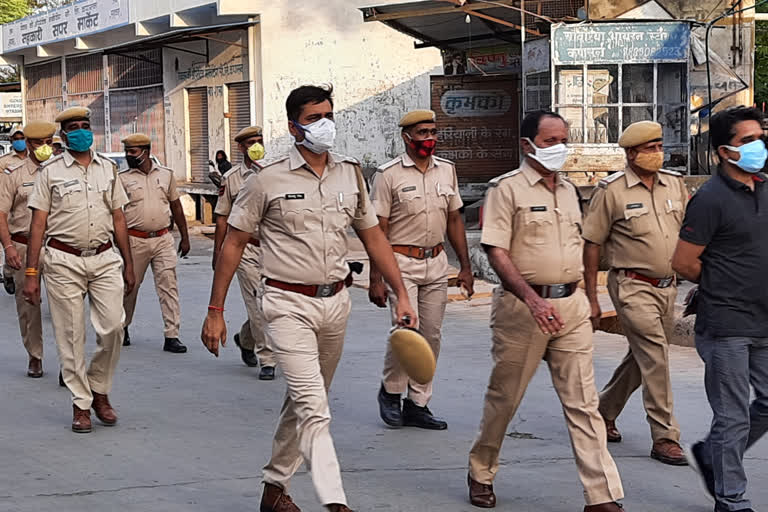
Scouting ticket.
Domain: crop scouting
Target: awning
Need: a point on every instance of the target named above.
(464, 24)
(174, 36)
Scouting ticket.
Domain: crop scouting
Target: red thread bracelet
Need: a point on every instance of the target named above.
(215, 308)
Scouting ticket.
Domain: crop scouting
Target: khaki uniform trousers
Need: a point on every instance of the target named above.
(307, 335)
(252, 335)
(646, 314)
(159, 252)
(427, 284)
(68, 279)
(518, 348)
(30, 320)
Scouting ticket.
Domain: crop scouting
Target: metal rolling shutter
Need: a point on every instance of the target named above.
(198, 133)
(239, 115)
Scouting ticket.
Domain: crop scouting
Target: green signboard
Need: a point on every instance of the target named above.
(621, 43)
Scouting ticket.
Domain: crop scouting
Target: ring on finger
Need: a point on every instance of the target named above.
(550, 318)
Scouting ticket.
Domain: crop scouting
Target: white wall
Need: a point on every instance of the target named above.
(376, 72)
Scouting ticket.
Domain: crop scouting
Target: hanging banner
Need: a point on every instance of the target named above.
(73, 20)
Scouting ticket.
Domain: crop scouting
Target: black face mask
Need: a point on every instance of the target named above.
(134, 162)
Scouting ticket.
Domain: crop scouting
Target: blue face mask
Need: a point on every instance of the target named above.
(753, 156)
(80, 140)
(19, 145)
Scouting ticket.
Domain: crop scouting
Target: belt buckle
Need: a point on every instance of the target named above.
(152, 234)
(428, 253)
(557, 291)
(666, 282)
(324, 291)
(88, 253)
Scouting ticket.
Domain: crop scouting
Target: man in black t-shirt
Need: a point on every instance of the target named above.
(723, 246)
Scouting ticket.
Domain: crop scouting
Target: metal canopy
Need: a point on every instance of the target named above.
(443, 23)
(179, 35)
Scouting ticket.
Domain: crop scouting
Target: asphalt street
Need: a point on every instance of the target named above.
(194, 431)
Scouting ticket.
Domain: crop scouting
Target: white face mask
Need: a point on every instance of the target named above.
(552, 158)
(318, 136)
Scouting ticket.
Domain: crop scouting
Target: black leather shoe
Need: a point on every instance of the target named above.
(10, 285)
(248, 357)
(390, 408)
(697, 464)
(174, 345)
(126, 338)
(267, 373)
(421, 417)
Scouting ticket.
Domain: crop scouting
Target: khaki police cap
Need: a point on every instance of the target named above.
(39, 129)
(137, 139)
(416, 117)
(640, 133)
(57, 140)
(414, 353)
(73, 114)
(251, 131)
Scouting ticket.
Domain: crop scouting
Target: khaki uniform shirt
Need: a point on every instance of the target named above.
(416, 203)
(10, 160)
(79, 201)
(302, 218)
(149, 197)
(16, 185)
(231, 184)
(638, 227)
(541, 229)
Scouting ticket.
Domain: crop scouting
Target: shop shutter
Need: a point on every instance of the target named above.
(198, 133)
(239, 115)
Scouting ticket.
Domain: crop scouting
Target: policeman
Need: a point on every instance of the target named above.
(302, 206)
(15, 216)
(58, 145)
(417, 201)
(77, 206)
(636, 215)
(531, 232)
(19, 146)
(153, 199)
(251, 336)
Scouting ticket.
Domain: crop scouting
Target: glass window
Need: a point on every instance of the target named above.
(574, 117)
(674, 123)
(631, 115)
(603, 125)
(672, 88)
(637, 83)
(602, 84)
(569, 86)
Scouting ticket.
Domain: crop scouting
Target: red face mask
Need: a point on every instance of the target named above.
(423, 148)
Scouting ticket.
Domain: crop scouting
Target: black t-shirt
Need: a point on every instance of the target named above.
(732, 222)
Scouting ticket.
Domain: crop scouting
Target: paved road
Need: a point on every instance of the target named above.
(194, 431)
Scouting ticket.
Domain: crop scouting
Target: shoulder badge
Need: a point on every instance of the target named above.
(603, 183)
(52, 159)
(105, 157)
(229, 173)
(443, 159)
(495, 181)
(671, 173)
(389, 164)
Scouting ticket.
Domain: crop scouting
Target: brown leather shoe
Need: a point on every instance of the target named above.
(103, 409)
(481, 495)
(275, 500)
(336, 507)
(613, 434)
(669, 452)
(35, 369)
(81, 420)
(605, 507)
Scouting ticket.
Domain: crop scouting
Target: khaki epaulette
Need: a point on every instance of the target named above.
(443, 159)
(52, 159)
(671, 173)
(232, 170)
(105, 157)
(272, 162)
(17, 166)
(389, 164)
(495, 181)
(603, 183)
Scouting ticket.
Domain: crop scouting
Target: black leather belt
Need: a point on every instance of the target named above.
(554, 291)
